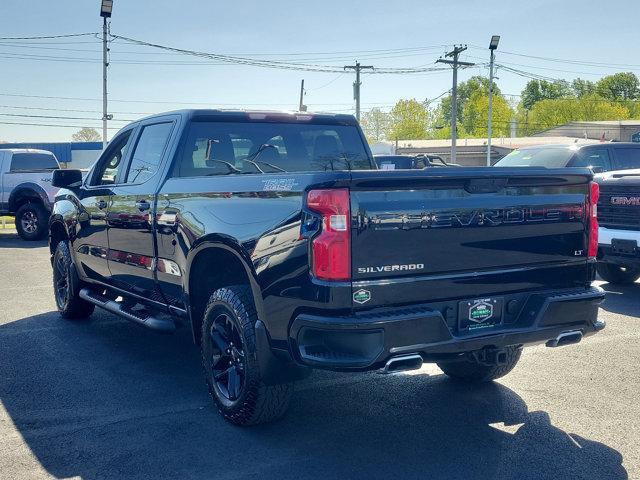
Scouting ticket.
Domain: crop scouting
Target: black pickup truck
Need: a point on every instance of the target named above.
(619, 220)
(274, 237)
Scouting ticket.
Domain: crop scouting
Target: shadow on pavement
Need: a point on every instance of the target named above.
(106, 399)
(622, 299)
(10, 239)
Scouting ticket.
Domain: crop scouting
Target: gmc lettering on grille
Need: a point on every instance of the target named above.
(635, 201)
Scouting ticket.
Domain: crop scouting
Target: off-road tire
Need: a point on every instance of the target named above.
(31, 221)
(472, 371)
(70, 306)
(257, 403)
(617, 274)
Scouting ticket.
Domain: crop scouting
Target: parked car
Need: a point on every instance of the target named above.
(601, 157)
(619, 220)
(283, 247)
(410, 162)
(25, 189)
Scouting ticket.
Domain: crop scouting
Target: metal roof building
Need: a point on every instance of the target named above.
(610, 130)
(73, 154)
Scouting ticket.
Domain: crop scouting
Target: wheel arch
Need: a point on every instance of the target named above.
(26, 192)
(234, 267)
(57, 232)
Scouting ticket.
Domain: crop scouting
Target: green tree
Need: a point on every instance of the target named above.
(551, 113)
(538, 90)
(476, 115)
(409, 121)
(86, 134)
(465, 91)
(582, 88)
(619, 86)
(375, 124)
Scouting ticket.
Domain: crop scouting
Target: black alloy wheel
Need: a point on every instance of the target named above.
(66, 285)
(60, 280)
(227, 357)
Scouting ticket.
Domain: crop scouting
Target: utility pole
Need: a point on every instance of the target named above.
(356, 86)
(105, 12)
(302, 107)
(493, 45)
(455, 63)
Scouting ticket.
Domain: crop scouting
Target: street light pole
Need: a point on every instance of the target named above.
(105, 64)
(493, 45)
(106, 8)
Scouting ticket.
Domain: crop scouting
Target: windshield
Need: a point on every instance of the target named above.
(538, 157)
(223, 148)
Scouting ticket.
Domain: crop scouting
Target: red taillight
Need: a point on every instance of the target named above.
(594, 194)
(331, 248)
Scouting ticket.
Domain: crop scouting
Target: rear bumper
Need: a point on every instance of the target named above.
(608, 254)
(366, 341)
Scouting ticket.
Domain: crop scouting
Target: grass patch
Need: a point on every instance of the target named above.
(7, 222)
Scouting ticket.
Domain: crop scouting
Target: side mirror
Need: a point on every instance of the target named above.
(66, 178)
(597, 169)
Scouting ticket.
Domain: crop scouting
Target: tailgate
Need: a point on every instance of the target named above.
(452, 223)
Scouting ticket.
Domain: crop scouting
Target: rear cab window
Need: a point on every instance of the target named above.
(627, 157)
(223, 148)
(33, 162)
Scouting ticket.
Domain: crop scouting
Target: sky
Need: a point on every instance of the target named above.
(385, 34)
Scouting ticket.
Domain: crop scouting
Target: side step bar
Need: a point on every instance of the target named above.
(144, 319)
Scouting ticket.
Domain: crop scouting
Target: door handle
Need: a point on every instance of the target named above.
(101, 204)
(143, 205)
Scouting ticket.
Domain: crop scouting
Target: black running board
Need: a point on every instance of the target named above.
(146, 320)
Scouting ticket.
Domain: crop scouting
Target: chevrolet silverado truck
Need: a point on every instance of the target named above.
(619, 220)
(275, 239)
(25, 189)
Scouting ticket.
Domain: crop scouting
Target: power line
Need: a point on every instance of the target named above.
(276, 64)
(50, 125)
(573, 62)
(59, 117)
(76, 110)
(210, 104)
(42, 37)
(340, 75)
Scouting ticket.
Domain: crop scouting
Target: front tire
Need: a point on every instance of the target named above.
(31, 221)
(66, 286)
(230, 363)
(618, 274)
(469, 370)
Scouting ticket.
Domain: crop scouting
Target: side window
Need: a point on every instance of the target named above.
(25, 162)
(148, 151)
(627, 158)
(111, 161)
(593, 157)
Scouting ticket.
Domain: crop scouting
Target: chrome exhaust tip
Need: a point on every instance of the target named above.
(565, 338)
(402, 363)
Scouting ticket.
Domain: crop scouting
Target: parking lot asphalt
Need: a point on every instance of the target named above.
(107, 399)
